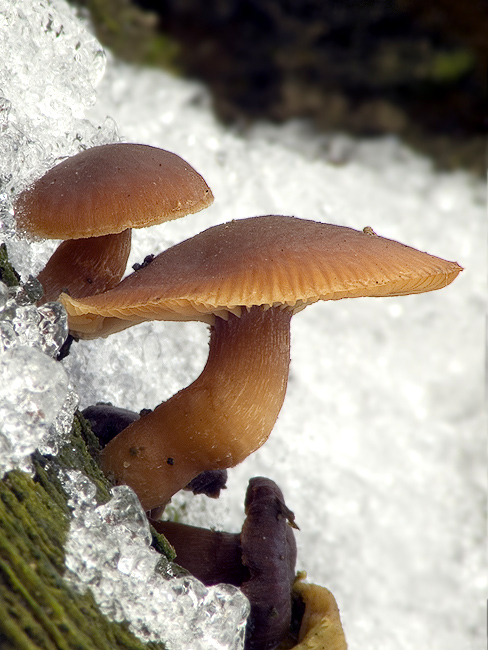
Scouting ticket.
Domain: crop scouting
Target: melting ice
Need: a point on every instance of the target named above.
(379, 448)
(36, 403)
(181, 611)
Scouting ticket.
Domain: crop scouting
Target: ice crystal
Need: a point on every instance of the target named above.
(33, 388)
(108, 551)
(36, 405)
(23, 323)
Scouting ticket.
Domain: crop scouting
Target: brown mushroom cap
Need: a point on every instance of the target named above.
(108, 189)
(267, 261)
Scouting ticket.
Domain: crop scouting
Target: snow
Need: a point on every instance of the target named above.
(380, 446)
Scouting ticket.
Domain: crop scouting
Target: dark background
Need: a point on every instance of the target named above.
(368, 68)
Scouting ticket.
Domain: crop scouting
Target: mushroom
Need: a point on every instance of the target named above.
(246, 279)
(260, 559)
(320, 627)
(93, 200)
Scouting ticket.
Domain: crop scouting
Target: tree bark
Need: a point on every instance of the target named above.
(38, 608)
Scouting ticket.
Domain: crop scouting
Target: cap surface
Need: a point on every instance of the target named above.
(109, 188)
(268, 261)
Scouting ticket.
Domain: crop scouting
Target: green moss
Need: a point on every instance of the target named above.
(450, 66)
(131, 33)
(8, 275)
(161, 544)
(38, 608)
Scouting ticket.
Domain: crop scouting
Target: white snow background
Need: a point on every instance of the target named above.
(380, 446)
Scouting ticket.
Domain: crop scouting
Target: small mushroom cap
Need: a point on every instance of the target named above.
(107, 421)
(321, 626)
(268, 261)
(108, 189)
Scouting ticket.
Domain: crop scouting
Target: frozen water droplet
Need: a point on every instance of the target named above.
(33, 289)
(124, 511)
(53, 326)
(81, 492)
(25, 324)
(58, 433)
(28, 292)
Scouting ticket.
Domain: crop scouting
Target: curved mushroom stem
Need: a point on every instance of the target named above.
(269, 552)
(210, 555)
(217, 421)
(84, 267)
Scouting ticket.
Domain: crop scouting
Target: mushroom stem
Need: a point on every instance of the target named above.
(260, 560)
(210, 555)
(85, 267)
(224, 415)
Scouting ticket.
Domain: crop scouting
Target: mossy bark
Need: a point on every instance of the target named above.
(38, 607)
(8, 275)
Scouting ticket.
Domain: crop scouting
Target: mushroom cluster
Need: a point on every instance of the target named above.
(245, 279)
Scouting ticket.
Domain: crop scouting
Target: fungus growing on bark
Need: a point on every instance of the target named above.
(260, 559)
(93, 200)
(246, 278)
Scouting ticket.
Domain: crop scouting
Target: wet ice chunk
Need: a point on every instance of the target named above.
(108, 550)
(22, 323)
(3, 296)
(53, 326)
(58, 432)
(33, 388)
